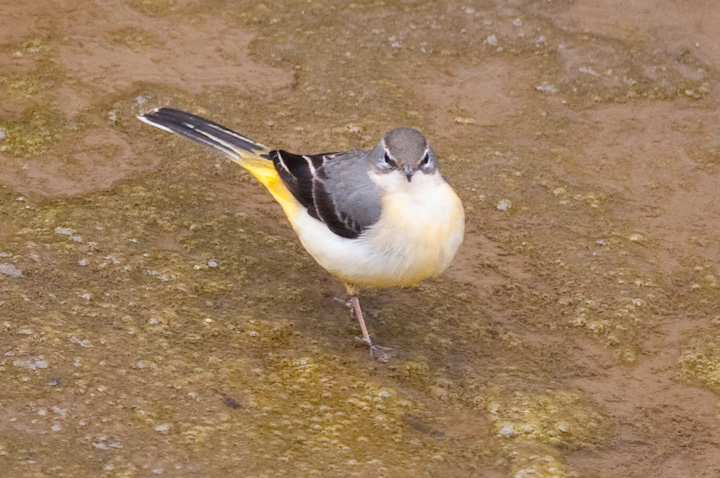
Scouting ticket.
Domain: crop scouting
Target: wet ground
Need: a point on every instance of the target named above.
(159, 318)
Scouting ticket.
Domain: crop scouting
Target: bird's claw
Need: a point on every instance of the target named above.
(382, 354)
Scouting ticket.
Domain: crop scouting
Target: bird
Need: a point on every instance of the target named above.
(377, 218)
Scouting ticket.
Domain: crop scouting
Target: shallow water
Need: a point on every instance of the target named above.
(159, 318)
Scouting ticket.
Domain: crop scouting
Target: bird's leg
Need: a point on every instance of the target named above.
(358, 313)
(381, 353)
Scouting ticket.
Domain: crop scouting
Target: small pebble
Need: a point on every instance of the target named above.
(545, 88)
(10, 270)
(164, 428)
(65, 231)
(504, 205)
(507, 431)
(82, 343)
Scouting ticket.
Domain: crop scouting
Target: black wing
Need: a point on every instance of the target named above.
(346, 214)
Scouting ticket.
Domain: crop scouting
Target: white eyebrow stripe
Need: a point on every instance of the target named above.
(387, 150)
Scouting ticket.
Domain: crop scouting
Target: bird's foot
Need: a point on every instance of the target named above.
(382, 354)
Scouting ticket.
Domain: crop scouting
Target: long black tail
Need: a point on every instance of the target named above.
(204, 132)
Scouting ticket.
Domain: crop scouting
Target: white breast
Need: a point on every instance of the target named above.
(420, 229)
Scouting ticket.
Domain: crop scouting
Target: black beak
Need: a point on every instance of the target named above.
(408, 173)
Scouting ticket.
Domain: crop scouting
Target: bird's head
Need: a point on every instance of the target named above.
(404, 152)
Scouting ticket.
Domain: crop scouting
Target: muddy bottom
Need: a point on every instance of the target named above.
(158, 317)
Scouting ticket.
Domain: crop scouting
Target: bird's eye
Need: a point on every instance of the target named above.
(425, 161)
(389, 161)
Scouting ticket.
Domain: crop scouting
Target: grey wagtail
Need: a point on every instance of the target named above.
(378, 218)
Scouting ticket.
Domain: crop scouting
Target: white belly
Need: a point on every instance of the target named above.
(416, 237)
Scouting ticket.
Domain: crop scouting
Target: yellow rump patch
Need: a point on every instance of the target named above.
(264, 171)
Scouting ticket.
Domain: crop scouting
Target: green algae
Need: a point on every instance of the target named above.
(539, 462)
(700, 363)
(558, 418)
(30, 123)
(34, 134)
